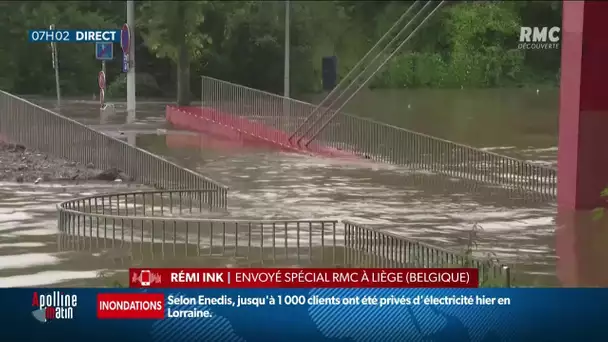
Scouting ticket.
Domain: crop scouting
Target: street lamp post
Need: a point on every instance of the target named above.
(131, 136)
(287, 47)
(55, 58)
(131, 71)
(286, 82)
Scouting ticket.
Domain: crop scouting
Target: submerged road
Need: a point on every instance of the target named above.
(270, 184)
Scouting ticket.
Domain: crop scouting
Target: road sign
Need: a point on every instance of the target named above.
(125, 38)
(125, 44)
(101, 80)
(104, 51)
(125, 62)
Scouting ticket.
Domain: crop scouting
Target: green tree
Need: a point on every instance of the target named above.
(171, 29)
(471, 44)
(483, 51)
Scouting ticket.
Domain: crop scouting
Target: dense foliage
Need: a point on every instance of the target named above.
(467, 44)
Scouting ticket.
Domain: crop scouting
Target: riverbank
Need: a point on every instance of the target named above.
(20, 164)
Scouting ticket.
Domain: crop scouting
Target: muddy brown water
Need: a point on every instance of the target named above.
(268, 184)
(28, 235)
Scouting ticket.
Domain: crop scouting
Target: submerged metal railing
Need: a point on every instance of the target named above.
(372, 139)
(369, 247)
(160, 225)
(28, 124)
(154, 226)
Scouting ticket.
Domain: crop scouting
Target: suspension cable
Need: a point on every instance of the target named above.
(382, 39)
(362, 74)
(375, 72)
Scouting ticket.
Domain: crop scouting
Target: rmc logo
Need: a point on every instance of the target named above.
(539, 38)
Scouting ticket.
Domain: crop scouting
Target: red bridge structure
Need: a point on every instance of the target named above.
(236, 111)
(582, 237)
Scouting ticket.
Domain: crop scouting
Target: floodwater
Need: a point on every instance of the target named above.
(521, 123)
(28, 235)
(269, 184)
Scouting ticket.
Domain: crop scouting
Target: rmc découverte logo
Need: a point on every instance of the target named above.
(539, 38)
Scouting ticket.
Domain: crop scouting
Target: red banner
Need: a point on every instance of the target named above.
(303, 278)
(130, 306)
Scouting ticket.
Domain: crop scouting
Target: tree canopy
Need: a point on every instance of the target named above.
(472, 44)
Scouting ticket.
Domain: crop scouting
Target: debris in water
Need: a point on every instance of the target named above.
(109, 174)
(24, 165)
(16, 148)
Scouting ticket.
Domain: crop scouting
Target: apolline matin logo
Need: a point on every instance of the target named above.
(539, 38)
(55, 305)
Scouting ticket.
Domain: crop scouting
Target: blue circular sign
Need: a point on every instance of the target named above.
(125, 38)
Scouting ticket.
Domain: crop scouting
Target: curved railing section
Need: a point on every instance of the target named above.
(149, 225)
(176, 225)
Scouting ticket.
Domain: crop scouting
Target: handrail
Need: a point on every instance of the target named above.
(83, 126)
(39, 128)
(362, 118)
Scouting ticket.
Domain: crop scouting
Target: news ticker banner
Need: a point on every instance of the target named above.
(303, 278)
(330, 314)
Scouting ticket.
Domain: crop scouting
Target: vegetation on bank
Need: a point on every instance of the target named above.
(467, 44)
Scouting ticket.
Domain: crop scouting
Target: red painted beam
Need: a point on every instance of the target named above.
(582, 241)
(209, 120)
